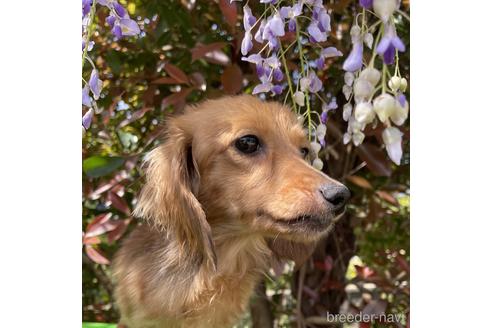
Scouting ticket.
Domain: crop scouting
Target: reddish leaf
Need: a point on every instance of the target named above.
(175, 98)
(105, 186)
(387, 197)
(403, 263)
(149, 96)
(376, 159)
(101, 226)
(176, 73)
(201, 50)
(95, 255)
(96, 227)
(119, 231)
(91, 240)
(359, 181)
(165, 80)
(118, 203)
(229, 10)
(198, 81)
(232, 79)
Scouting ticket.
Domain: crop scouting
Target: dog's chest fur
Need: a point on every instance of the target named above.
(172, 294)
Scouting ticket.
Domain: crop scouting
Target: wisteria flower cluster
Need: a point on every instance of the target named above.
(309, 23)
(375, 94)
(121, 25)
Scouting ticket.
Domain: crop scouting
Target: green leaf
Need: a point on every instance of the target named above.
(98, 325)
(98, 166)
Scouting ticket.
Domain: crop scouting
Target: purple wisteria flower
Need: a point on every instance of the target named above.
(95, 84)
(257, 60)
(248, 20)
(110, 20)
(327, 107)
(120, 11)
(389, 44)
(401, 99)
(247, 43)
(315, 33)
(311, 83)
(291, 13)
(331, 52)
(86, 7)
(120, 22)
(259, 32)
(327, 53)
(273, 28)
(86, 99)
(87, 118)
(365, 3)
(90, 45)
(320, 25)
(276, 26)
(354, 60)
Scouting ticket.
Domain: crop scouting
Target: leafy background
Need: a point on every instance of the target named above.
(190, 52)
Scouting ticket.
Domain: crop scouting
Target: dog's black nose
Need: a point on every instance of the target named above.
(336, 195)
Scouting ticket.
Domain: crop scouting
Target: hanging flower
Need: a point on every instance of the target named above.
(385, 8)
(388, 44)
(331, 52)
(392, 140)
(86, 7)
(247, 43)
(354, 60)
(364, 113)
(129, 27)
(384, 106)
(299, 98)
(86, 99)
(291, 13)
(95, 84)
(370, 74)
(263, 87)
(363, 90)
(315, 32)
(400, 112)
(87, 118)
(248, 20)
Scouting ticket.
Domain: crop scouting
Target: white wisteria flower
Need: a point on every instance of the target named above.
(364, 113)
(384, 106)
(392, 140)
(385, 8)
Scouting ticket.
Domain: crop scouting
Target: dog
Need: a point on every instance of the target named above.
(230, 175)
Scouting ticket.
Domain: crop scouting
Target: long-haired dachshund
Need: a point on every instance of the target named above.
(230, 174)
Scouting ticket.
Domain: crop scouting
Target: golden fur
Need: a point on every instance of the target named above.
(209, 211)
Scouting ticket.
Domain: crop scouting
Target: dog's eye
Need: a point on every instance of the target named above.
(304, 152)
(248, 144)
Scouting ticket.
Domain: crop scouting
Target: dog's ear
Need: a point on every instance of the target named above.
(168, 197)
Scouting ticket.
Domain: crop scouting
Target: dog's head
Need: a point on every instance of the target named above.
(238, 164)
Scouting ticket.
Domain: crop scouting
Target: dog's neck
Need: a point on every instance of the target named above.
(239, 253)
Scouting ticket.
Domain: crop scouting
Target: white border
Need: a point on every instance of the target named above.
(40, 164)
(451, 138)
